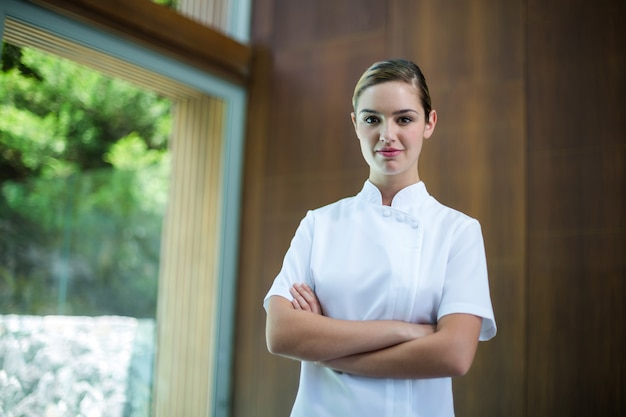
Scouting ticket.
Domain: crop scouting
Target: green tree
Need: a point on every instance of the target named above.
(83, 185)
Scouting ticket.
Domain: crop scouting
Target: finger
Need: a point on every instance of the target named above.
(310, 297)
(299, 299)
(295, 303)
(305, 292)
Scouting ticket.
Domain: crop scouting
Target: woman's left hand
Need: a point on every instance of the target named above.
(305, 299)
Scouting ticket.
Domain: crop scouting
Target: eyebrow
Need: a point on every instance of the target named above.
(394, 113)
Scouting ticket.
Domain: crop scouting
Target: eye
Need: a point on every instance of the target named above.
(370, 120)
(404, 120)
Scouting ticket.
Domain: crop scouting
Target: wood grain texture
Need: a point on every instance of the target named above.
(301, 154)
(577, 219)
(475, 162)
(472, 55)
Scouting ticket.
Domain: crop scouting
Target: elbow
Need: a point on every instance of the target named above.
(460, 367)
(283, 344)
(459, 363)
(276, 348)
(275, 344)
(271, 346)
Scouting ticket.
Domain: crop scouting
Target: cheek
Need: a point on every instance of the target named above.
(366, 148)
(415, 135)
(367, 141)
(366, 134)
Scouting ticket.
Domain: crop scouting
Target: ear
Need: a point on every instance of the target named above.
(429, 127)
(353, 117)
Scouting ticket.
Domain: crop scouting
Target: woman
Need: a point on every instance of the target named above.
(383, 296)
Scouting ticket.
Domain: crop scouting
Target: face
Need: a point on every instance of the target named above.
(391, 125)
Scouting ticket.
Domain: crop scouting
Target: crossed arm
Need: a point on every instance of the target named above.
(376, 348)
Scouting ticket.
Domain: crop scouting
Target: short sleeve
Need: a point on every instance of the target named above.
(466, 285)
(296, 263)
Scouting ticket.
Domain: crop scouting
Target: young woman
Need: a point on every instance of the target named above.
(383, 296)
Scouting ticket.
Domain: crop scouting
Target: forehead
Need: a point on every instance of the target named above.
(390, 95)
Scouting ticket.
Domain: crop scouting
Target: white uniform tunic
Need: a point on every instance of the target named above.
(415, 261)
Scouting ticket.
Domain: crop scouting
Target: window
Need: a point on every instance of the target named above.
(199, 240)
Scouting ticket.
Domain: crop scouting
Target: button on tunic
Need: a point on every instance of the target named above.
(414, 261)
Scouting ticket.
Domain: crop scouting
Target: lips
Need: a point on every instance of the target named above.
(389, 152)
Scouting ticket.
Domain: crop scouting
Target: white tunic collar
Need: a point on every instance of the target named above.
(406, 200)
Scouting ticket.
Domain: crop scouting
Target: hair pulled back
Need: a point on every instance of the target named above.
(394, 70)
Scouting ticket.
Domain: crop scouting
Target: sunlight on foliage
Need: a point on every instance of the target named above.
(36, 139)
(84, 174)
(131, 153)
(151, 169)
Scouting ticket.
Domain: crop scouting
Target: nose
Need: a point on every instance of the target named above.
(387, 133)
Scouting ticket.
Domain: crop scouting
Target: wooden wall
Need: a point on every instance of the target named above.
(530, 140)
(576, 92)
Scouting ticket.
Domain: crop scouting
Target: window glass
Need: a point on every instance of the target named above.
(84, 169)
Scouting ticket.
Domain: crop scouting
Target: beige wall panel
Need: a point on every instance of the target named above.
(211, 13)
(187, 286)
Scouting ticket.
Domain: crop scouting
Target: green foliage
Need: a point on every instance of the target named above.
(172, 4)
(83, 184)
(12, 58)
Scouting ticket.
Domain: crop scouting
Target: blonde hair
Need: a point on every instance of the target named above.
(394, 70)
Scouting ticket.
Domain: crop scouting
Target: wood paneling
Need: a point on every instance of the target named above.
(576, 221)
(475, 161)
(252, 363)
(530, 140)
(472, 55)
(301, 154)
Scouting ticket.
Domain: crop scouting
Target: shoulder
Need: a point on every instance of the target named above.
(343, 206)
(448, 217)
(335, 216)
